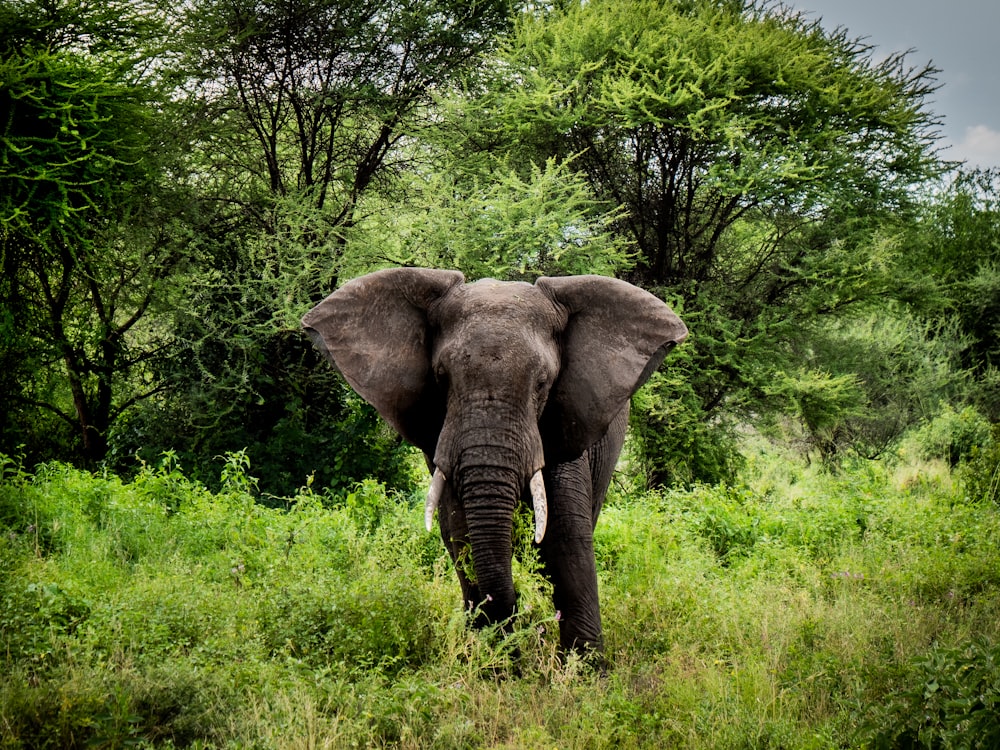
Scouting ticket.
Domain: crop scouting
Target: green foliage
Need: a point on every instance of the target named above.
(672, 438)
(251, 582)
(369, 621)
(719, 84)
(356, 78)
(172, 205)
(981, 472)
(953, 436)
(283, 168)
(512, 224)
(296, 425)
(823, 403)
(953, 701)
(862, 381)
(681, 114)
(953, 257)
(792, 607)
(757, 163)
(86, 222)
(75, 124)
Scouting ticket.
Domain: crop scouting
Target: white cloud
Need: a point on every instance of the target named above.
(979, 148)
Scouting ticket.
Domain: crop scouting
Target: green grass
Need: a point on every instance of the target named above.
(800, 609)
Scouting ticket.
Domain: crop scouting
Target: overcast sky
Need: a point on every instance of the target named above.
(959, 37)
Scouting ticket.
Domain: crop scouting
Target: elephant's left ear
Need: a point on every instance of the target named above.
(616, 337)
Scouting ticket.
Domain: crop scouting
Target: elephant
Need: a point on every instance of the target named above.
(515, 392)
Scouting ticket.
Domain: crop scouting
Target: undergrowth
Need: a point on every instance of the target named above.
(798, 609)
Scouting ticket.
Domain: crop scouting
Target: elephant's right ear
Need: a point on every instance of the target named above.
(374, 330)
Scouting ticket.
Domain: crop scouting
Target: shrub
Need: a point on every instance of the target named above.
(775, 612)
(375, 619)
(864, 379)
(671, 435)
(981, 473)
(308, 422)
(175, 706)
(727, 518)
(953, 436)
(954, 701)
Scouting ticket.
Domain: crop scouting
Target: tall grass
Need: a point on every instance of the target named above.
(800, 609)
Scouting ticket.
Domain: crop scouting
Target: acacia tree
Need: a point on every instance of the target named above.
(315, 95)
(754, 155)
(82, 226)
(695, 115)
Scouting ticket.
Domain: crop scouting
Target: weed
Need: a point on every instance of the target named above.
(785, 610)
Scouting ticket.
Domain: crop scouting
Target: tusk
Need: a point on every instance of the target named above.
(433, 497)
(540, 504)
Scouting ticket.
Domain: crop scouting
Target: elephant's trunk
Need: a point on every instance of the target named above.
(539, 501)
(489, 496)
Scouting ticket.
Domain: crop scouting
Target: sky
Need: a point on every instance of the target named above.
(958, 37)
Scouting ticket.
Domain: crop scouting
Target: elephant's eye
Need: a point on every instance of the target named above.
(541, 385)
(441, 375)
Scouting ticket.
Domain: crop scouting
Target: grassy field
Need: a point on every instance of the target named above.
(799, 609)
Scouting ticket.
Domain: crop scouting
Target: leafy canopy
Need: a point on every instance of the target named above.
(755, 158)
(692, 114)
(82, 233)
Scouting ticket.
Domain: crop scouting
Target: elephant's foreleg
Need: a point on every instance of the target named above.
(568, 554)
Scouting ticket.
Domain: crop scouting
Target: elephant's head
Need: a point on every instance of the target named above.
(493, 381)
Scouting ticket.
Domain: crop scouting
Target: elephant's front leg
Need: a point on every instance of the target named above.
(568, 554)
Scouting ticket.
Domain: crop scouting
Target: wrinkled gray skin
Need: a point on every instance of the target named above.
(494, 381)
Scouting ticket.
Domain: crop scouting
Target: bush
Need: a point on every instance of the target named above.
(289, 411)
(953, 436)
(81, 707)
(981, 473)
(862, 381)
(370, 618)
(728, 518)
(673, 440)
(953, 702)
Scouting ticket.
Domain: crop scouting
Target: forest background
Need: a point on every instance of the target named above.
(180, 182)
